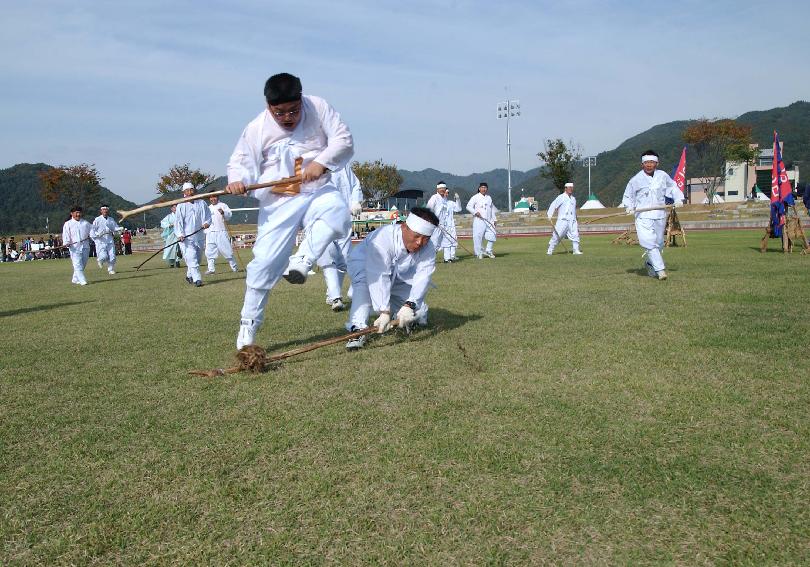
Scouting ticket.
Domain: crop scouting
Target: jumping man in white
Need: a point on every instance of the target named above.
(217, 239)
(390, 271)
(102, 233)
(76, 236)
(484, 221)
(566, 225)
(190, 219)
(445, 237)
(649, 188)
(292, 125)
(333, 259)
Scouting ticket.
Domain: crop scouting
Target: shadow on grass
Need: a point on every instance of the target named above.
(37, 308)
(778, 250)
(113, 280)
(223, 280)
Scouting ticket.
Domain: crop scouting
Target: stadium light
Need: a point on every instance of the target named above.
(508, 109)
(589, 162)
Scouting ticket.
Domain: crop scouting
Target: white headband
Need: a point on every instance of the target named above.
(649, 158)
(441, 186)
(569, 184)
(420, 225)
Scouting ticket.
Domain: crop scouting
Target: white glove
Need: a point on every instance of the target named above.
(406, 317)
(630, 210)
(383, 322)
(356, 209)
(458, 197)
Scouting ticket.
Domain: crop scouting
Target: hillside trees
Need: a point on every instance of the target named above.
(173, 180)
(378, 179)
(713, 143)
(560, 159)
(69, 185)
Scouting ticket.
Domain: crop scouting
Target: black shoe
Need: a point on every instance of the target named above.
(189, 280)
(198, 283)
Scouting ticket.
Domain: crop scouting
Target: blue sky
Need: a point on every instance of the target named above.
(136, 87)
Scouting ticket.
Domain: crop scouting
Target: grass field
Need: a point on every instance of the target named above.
(557, 410)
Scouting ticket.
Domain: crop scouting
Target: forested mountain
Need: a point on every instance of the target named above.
(24, 210)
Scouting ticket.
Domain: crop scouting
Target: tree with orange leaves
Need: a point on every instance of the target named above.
(179, 174)
(69, 185)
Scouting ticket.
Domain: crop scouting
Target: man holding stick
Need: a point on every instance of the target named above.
(190, 219)
(76, 236)
(484, 221)
(217, 238)
(650, 188)
(391, 270)
(102, 233)
(565, 205)
(293, 125)
(443, 208)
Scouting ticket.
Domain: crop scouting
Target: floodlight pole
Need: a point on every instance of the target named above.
(588, 162)
(509, 109)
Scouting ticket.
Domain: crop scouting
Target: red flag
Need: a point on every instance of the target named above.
(680, 173)
(781, 190)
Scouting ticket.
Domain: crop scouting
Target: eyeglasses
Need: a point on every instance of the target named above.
(288, 114)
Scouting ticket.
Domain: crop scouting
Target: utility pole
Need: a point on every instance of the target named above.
(588, 162)
(508, 109)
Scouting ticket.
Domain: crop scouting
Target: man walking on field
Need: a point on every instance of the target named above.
(484, 221)
(102, 233)
(217, 239)
(566, 207)
(76, 236)
(445, 237)
(293, 125)
(190, 219)
(649, 188)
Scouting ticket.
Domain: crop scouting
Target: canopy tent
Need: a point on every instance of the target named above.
(405, 199)
(593, 202)
(522, 206)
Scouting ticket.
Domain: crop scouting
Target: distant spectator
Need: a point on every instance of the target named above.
(126, 238)
(3, 250)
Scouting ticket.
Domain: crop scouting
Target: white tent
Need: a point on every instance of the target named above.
(592, 203)
(715, 201)
(522, 206)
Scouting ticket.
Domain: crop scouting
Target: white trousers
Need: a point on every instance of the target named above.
(651, 238)
(563, 228)
(333, 265)
(192, 248)
(79, 260)
(482, 230)
(326, 216)
(218, 242)
(105, 253)
(444, 238)
(361, 300)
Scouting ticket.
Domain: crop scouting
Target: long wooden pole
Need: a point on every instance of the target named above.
(285, 186)
(661, 208)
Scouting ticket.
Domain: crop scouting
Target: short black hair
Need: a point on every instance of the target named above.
(483, 184)
(282, 88)
(103, 205)
(649, 153)
(441, 183)
(425, 214)
(76, 208)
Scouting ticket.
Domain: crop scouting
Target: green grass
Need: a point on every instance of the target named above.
(558, 410)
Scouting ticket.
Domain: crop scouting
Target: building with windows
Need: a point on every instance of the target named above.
(741, 179)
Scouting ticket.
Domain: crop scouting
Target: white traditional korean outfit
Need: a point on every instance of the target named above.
(217, 239)
(76, 235)
(565, 206)
(645, 191)
(482, 227)
(444, 237)
(385, 275)
(102, 233)
(169, 238)
(189, 218)
(267, 152)
(333, 259)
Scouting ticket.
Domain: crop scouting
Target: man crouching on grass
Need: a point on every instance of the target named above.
(391, 271)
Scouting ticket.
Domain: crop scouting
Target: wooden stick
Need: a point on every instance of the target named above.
(660, 208)
(176, 242)
(293, 352)
(495, 230)
(455, 239)
(285, 186)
